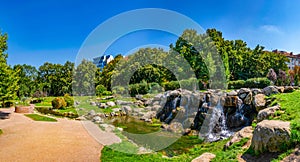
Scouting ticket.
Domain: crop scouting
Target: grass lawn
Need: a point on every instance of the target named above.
(37, 117)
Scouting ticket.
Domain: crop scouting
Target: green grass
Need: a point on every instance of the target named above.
(37, 117)
(46, 102)
(1, 131)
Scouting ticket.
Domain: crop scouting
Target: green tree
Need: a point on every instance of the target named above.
(84, 78)
(28, 79)
(9, 78)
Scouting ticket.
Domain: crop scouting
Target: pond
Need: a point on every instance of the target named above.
(153, 137)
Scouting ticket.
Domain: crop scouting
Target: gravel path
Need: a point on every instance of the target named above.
(27, 140)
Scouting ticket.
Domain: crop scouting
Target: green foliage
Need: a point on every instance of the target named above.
(69, 100)
(100, 89)
(68, 112)
(37, 117)
(58, 103)
(1, 131)
(141, 88)
(55, 79)
(119, 90)
(249, 83)
(8, 77)
(171, 85)
(84, 79)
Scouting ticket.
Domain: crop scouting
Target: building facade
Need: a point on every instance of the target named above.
(102, 61)
(294, 59)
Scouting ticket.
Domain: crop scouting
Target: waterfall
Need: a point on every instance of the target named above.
(215, 118)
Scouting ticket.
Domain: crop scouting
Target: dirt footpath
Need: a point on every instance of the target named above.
(27, 140)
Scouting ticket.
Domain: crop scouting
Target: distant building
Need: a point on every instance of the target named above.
(102, 61)
(294, 59)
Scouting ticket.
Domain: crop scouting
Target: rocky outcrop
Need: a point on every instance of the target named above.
(270, 90)
(259, 101)
(205, 157)
(243, 133)
(266, 113)
(270, 135)
(288, 89)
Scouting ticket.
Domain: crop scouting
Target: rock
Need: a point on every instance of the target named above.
(156, 108)
(120, 102)
(259, 101)
(102, 105)
(232, 93)
(127, 109)
(116, 110)
(174, 93)
(93, 103)
(231, 101)
(280, 89)
(205, 157)
(158, 97)
(97, 119)
(270, 135)
(266, 113)
(175, 127)
(243, 92)
(188, 123)
(139, 97)
(107, 127)
(270, 90)
(149, 115)
(246, 132)
(91, 113)
(248, 99)
(139, 103)
(110, 103)
(237, 120)
(288, 89)
(256, 91)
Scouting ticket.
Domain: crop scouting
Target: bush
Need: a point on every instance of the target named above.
(236, 84)
(58, 103)
(140, 88)
(257, 83)
(171, 85)
(100, 89)
(155, 88)
(189, 84)
(249, 83)
(119, 90)
(69, 100)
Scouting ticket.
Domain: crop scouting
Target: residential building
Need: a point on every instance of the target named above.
(294, 59)
(102, 61)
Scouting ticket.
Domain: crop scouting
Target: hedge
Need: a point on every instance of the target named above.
(249, 83)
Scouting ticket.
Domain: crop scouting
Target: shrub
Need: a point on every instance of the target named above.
(249, 83)
(171, 85)
(189, 84)
(140, 88)
(119, 90)
(38, 94)
(58, 103)
(100, 89)
(69, 100)
(257, 83)
(155, 88)
(236, 84)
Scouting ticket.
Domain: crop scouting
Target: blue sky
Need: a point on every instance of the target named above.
(54, 31)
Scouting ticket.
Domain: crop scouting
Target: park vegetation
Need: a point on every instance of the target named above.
(241, 66)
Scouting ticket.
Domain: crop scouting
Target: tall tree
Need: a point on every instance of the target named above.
(28, 82)
(8, 77)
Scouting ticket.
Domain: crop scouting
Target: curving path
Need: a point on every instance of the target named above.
(27, 140)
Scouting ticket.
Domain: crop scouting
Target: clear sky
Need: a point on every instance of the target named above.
(53, 30)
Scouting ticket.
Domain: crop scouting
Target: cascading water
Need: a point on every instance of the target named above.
(215, 117)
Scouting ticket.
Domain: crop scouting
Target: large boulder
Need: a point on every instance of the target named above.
(246, 132)
(270, 90)
(243, 92)
(280, 89)
(205, 157)
(288, 89)
(231, 101)
(259, 101)
(266, 113)
(270, 136)
(110, 103)
(175, 127)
